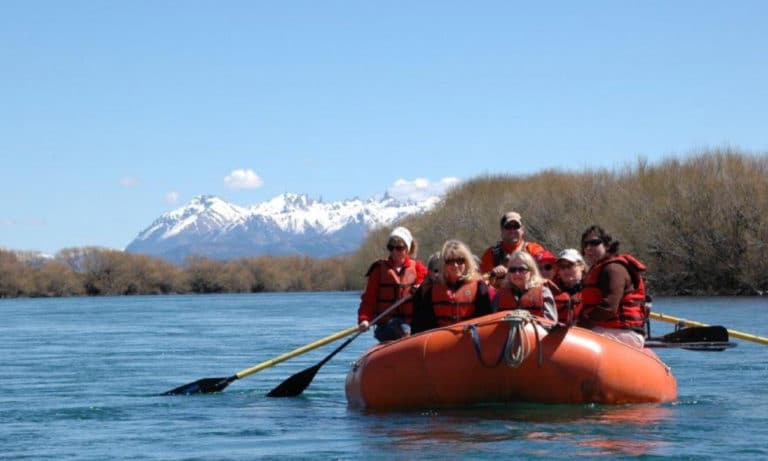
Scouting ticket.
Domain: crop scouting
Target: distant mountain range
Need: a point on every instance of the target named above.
(289, 224)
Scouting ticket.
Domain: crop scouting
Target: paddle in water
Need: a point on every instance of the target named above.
(692, 323)
(296, 384)
(209, 385)
(708, 338)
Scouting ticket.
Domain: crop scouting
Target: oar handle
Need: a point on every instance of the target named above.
(297, 351)
(692, 323)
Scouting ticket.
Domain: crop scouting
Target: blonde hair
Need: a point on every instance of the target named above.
(453, 249)
(525, 257)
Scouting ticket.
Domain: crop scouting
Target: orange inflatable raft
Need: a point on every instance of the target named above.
(507, 356)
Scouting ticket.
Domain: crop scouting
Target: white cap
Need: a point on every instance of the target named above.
(572, 255)
(403, 234)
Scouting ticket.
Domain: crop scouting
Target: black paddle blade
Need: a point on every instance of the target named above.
(296, 384)
(710, 338)
(697, 334)
(202, 386)
(712, 346)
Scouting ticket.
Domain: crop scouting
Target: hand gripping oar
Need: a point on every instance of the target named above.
(296, 384)
(208, 385)
(691, 323)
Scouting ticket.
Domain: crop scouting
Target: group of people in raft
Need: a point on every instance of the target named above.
(609, 297)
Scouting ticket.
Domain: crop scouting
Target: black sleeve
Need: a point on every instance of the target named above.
(423, 314)
(483, 300)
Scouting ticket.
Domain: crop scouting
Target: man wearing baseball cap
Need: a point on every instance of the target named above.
(494, 259)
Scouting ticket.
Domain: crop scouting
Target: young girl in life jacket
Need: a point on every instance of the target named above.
(524, 288)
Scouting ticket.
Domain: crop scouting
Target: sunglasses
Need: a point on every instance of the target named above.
(517, 270)
(512, 225)
(396, 247)
(593, 243)
(451, 261)
(546, 267)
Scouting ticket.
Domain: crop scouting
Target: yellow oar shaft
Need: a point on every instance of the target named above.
(691, 323)
(297, 351)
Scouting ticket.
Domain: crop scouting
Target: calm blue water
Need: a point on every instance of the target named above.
(80, 378)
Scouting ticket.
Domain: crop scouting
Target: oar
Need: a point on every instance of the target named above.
(708, 338)
(691, 323)
(296, 384)
(208, 385)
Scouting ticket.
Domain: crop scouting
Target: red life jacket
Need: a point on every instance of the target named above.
(393, 287)
(568, 305)
(632, 311)
(453, 306)
(532, 300)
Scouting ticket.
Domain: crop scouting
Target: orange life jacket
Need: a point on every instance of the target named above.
(632, 311)
(392, 287)
(531, 300)
(568, 305)
(500, 255)
(453, 306)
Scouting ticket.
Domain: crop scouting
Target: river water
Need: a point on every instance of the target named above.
(81, 378)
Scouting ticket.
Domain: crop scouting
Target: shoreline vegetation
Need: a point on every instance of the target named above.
(699, 223)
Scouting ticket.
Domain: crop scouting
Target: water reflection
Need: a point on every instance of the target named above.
(538, 430)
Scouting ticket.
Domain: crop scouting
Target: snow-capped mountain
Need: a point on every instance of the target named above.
(287, 224)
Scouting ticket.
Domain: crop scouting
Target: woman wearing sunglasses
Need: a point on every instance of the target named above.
(390, 280)
(613, 293)
(458, 293)
(524, 288)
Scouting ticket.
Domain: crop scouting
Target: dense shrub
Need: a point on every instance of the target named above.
(700, 225)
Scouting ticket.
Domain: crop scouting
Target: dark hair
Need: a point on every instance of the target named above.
(610, 245)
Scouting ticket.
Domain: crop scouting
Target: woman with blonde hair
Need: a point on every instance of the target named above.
(458, 293)
(525, 288)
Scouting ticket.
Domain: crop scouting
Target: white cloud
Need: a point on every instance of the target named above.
(420, 188)
(129, 182)
(172, 197)
(243, 179)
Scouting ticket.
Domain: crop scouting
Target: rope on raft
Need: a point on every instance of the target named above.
(517, 347)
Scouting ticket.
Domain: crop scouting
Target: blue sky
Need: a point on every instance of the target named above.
(112, 113)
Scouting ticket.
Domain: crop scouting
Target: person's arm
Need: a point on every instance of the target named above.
(367, 309)
(423, 313)
(613, 283)
(483, 299)
(550, 308)
(486, 261)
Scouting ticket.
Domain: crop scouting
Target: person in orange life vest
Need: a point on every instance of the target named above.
(388, 281)
(495, 258)
(545, 261)
(570, 269)
(460, 293)
(613, 290)
(524, 288)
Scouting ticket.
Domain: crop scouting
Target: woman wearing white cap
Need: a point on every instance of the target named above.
(570, 269)
(388, 281)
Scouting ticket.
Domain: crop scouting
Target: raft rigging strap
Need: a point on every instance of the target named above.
(516, 347)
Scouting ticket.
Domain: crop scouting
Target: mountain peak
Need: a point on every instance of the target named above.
(286, 224)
